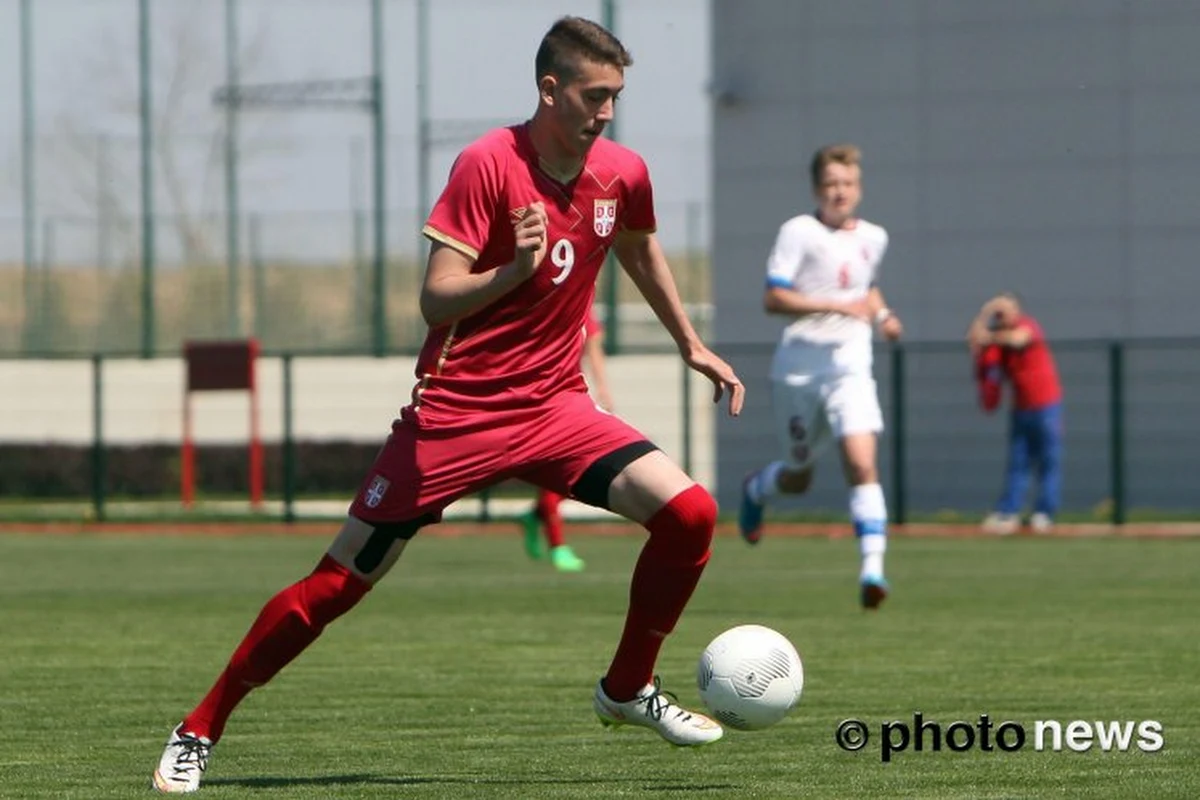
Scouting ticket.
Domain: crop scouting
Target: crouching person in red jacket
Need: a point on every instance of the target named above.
(1008, 345)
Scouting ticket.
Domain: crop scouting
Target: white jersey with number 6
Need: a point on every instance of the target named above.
(834, 264)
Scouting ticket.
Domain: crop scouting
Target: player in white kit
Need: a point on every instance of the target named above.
(821, 274)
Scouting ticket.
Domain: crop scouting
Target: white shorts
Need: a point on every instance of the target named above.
(812, 415)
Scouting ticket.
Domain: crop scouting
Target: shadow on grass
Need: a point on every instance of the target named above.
(267, 782)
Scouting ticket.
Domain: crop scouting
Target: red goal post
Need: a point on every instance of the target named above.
(227, 365)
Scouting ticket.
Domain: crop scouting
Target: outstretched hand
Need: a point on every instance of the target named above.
(707, 363)
(892, 328)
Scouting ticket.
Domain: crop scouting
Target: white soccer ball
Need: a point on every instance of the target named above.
(750, 677)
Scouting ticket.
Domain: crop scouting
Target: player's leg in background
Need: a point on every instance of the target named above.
(547, 511)
(868, 514)
(545, 520)
(1006, 518)
(800, 426)
(1049, 442)
(852, 408)
(531, 529)
(561, 555)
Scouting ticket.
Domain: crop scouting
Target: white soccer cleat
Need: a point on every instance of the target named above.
(1041, 523)
(658, 710)
(183, 762)
(1001, 524)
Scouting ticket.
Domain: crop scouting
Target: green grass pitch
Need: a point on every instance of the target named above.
(468, 672)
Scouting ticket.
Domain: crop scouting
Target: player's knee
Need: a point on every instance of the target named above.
(686, 523)
(329, 592)
(700, 515)
(383, 535)
(795, 481)
(861, 474)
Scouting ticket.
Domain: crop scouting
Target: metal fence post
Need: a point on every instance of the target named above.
(99, 463)
(380, 339)
(258, 279)
(28, 152)
(485, 506)
(363, 278)
(46, 339)
(611, 272)
(899, 478)
(232, 199)
(146, 142)
(1116, 413)
(104, 213)
(693, 241)
(289, 444)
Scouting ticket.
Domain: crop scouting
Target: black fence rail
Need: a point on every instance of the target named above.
(1132, 437)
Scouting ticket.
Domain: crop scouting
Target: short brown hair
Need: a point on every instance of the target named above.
(572, 39)
(846, 154)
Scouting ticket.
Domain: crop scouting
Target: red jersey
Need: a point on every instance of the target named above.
(1031, 370)
(526, 346)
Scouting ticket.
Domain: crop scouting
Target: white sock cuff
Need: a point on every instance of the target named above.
(867, 503)
(768, 479)
(872, 544)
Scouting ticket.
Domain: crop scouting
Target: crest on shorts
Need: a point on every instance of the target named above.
(375, 492)
(604, 216)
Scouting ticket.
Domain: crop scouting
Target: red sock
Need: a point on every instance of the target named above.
(547, 511)
(663, 581)
(288, 623)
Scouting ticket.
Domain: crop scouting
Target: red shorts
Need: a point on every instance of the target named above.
(421, 470)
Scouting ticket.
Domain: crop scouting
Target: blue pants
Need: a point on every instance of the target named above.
(1035, 442)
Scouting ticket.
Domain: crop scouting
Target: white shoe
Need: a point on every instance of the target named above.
(1001, 524)
(653, 708)
(183, 762)
(1041, 523)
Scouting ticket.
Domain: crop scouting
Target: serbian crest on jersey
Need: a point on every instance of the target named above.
(605, 216)
(375, 492)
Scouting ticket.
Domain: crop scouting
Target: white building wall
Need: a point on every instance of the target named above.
(347, 399)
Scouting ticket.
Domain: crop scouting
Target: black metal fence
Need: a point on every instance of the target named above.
(1131, 431)
(1131, 436)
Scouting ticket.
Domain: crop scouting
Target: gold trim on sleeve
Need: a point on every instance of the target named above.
(433, 233)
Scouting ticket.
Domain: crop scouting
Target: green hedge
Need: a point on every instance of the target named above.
(59, 471)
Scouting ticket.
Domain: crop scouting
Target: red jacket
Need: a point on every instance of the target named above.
(1031, 371)
(989, 376)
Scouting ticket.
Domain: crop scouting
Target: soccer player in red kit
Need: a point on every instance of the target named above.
(518, 238)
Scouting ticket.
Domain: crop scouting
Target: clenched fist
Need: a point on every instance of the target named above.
(531, 238)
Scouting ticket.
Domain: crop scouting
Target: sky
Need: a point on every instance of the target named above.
(305, 171)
